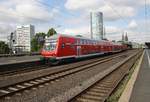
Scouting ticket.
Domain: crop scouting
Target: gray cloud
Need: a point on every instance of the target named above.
(18, 12)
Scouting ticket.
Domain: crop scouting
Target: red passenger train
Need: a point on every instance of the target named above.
(58, 47)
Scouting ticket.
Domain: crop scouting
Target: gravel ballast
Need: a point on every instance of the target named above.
(51, 91)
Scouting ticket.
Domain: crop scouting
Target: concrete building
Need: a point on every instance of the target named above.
(136, 45)
(97, 25)
(23, 36)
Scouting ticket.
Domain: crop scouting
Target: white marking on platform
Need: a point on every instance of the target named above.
(39, 80)
(34, 82)
(20, 86)
(45, 79)
(12, 88)
(148, 58)
(28, 84)
(4, 91)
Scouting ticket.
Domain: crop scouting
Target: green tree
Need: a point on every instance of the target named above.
(34, 45)
(4, 48)
(78, 35)
(38, 41)
(51, 32)
(40, 34)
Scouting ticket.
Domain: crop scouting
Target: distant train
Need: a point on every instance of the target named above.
(59, 47)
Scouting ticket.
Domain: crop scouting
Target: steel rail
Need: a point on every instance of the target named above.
(28, 84)
(100, 90)
(41, 67)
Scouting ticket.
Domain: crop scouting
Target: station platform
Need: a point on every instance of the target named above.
(18, 59)
(141, 89)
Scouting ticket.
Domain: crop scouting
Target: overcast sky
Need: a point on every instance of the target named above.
(73, 17)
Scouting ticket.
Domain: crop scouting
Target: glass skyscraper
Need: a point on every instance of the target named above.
(96, 25)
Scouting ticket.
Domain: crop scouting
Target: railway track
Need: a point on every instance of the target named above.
(100, 91)
(41, 67)
(22, 70)
(28, 84)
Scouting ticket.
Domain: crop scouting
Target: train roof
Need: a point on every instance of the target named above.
(56, 36)
(70, 36)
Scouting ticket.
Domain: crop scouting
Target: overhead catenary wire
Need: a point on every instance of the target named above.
(52, 6)
(48, 6)
(115, 11)
(123, 19)
(146, 14)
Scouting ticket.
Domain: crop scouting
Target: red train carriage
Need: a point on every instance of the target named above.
(59, 47)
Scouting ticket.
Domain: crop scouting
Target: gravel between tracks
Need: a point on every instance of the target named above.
(7, 80)
(46, 92)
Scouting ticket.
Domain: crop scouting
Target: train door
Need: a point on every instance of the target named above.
(78, 50)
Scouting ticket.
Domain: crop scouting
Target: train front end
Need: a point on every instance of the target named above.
(49, 51)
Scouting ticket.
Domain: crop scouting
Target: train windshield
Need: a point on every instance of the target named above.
(50, 45)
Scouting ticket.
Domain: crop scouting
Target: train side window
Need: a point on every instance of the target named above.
(87, 42)
(78, 42)
(82, 41)
(63, 45)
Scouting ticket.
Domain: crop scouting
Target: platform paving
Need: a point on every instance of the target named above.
(141, 90)
(18, 59)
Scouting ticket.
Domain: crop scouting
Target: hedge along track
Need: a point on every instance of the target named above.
(28, 84)
(40, 67)
(101, 90)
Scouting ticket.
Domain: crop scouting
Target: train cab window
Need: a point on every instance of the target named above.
(50, 45)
